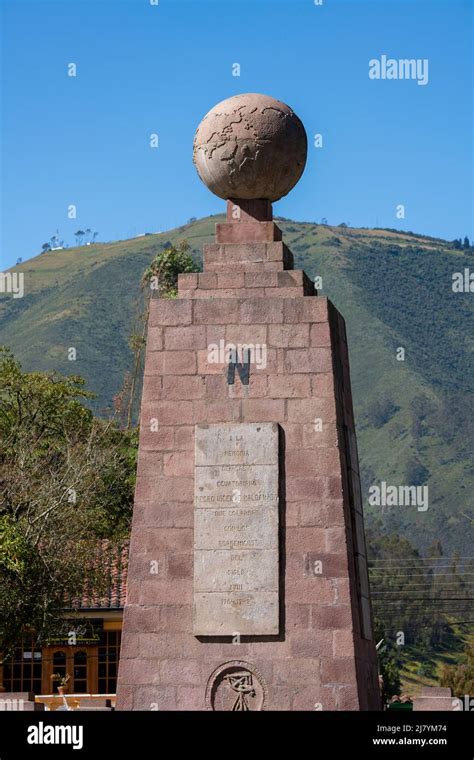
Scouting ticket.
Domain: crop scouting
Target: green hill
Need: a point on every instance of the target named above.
(414, 417)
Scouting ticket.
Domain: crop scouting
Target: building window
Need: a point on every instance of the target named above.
(109, 650)
(22, 669)
(59, 668)
(91, 669)
(80, 671)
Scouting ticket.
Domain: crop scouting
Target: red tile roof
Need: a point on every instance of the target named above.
(113, 559)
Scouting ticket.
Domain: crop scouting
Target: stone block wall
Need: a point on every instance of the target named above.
(324, 656)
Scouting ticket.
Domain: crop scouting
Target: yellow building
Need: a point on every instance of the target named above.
(86, 646)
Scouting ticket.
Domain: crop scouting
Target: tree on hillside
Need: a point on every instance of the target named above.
(56, 241)
(389, 667)
(66, 481)
(465, 243)
(45, 247)
(402, 595)
(435, 549)
(380, 411)
(416, 473)
(460, 678)
(421, 409)
(79, 235)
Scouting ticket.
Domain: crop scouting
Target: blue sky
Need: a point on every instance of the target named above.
(144, 69)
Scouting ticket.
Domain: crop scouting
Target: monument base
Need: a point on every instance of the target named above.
(308, 644)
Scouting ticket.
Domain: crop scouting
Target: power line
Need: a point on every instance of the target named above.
(417, 560)
(420, 611)
(428, 586)
(436, 600)
(404, 574)
(424, 600)
(386, 568)
(382, 607)
(414, 626)
(430, 580)
(441, 558)
(388, 604)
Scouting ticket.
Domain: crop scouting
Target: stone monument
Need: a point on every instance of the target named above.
(248, 585)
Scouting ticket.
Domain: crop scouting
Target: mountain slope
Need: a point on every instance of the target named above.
(414, 417)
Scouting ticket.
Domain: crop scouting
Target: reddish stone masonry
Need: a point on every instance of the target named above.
(324, 656)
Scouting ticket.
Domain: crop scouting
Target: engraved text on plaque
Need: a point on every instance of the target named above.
(236, 530)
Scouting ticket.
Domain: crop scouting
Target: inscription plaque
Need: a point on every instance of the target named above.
(236, 530)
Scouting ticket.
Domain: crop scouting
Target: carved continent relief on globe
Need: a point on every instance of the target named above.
(250, 146)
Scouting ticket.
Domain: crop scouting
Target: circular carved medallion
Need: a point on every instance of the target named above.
(235, 686)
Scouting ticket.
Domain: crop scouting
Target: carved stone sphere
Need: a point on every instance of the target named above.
(250, 146)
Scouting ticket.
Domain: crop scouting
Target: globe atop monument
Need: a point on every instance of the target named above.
(250, 146)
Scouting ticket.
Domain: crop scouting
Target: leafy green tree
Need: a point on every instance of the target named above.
(460, 678)
(381, 411)
(417, 474)
(389, 667)
(398, 593)
(66, 481)
(162, 274)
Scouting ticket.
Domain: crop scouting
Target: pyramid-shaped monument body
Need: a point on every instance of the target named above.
(248, 585)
